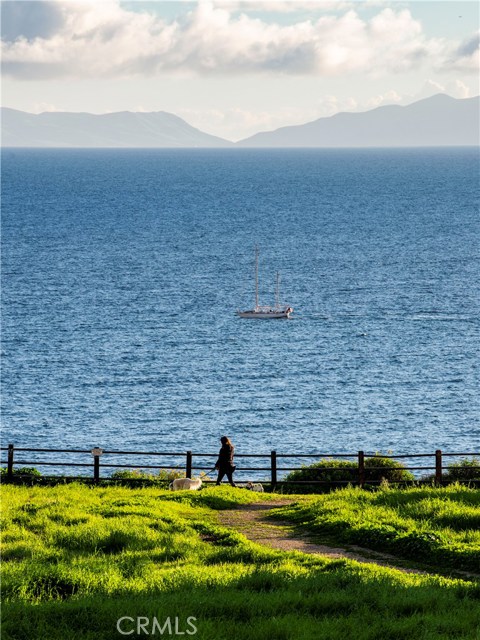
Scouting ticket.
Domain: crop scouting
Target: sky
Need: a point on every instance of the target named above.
(236, 67)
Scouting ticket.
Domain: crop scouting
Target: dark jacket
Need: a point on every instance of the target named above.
(225, 457)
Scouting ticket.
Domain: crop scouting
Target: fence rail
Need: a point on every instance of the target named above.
(188, 466)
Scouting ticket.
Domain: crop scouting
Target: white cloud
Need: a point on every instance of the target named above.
(105, 40)
(329, 105)
(390, 97)
(42, 107)
(456, 89)
(290, 6)
(283, 6)
(430, 88)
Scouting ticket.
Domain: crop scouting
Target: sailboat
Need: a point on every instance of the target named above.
(264, 312)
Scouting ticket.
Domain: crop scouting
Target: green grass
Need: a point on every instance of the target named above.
(77, 558)
(440, 526)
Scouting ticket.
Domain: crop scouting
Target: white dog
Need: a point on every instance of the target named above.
(185, 484)
(254, 487)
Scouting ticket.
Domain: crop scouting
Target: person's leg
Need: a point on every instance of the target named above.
(220, 476)
(230, 477)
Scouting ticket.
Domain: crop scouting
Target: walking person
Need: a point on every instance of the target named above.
(224, 463)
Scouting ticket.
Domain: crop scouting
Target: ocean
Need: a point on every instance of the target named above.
(123, 270)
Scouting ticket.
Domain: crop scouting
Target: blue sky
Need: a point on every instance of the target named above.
(235, 67)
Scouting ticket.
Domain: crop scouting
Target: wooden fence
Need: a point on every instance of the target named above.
(105, 459)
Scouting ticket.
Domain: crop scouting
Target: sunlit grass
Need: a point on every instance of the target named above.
(76, 558)
(439, 525)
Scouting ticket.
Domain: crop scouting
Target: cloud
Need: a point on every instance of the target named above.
(284, 6)
(466, 57)
(390, 97)
(329, 105)
(290, 6)
(470, 46)
(42, 107)
(30, 19)
(92, 39)
(456, 89)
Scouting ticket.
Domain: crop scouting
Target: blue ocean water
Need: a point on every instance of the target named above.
(122, 271)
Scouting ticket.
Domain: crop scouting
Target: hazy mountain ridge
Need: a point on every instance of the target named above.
(437, 121)
(121, 129)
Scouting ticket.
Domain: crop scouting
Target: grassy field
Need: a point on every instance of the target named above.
(437, 526)
(77, 558)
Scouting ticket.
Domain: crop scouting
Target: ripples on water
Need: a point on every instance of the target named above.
(122, 271)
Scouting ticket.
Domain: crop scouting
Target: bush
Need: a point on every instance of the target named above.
(463, 470)
(334, 473)
(337, 473)
(22, 471)
(143, 478)
(378, 469)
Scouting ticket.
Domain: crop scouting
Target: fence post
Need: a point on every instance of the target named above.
(361, 469)
(273, 469)
(438, 466)
(10, 462)
(188, 470)
(96, 468)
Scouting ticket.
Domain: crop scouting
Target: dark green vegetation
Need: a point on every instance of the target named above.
(440, 526)
(77, 558)
(138, 477)
(133, 477)
(30, 472)
(336, 473)
(464, 470)
(330, 472)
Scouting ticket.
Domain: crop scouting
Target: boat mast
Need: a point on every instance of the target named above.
(277, 295)
(256, 276)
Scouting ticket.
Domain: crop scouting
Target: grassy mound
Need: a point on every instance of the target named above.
(436, 525)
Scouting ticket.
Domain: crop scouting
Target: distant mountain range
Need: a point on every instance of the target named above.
(437, 121)
(123, 129)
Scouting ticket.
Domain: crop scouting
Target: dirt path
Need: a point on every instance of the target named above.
(252, 520)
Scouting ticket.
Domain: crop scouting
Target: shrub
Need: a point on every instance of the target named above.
(334, 473)
(378, 469)
(463, 470)
(22, 471)
(337, 473)
(143, 478)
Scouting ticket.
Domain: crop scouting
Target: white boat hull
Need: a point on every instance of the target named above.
(264, 315)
